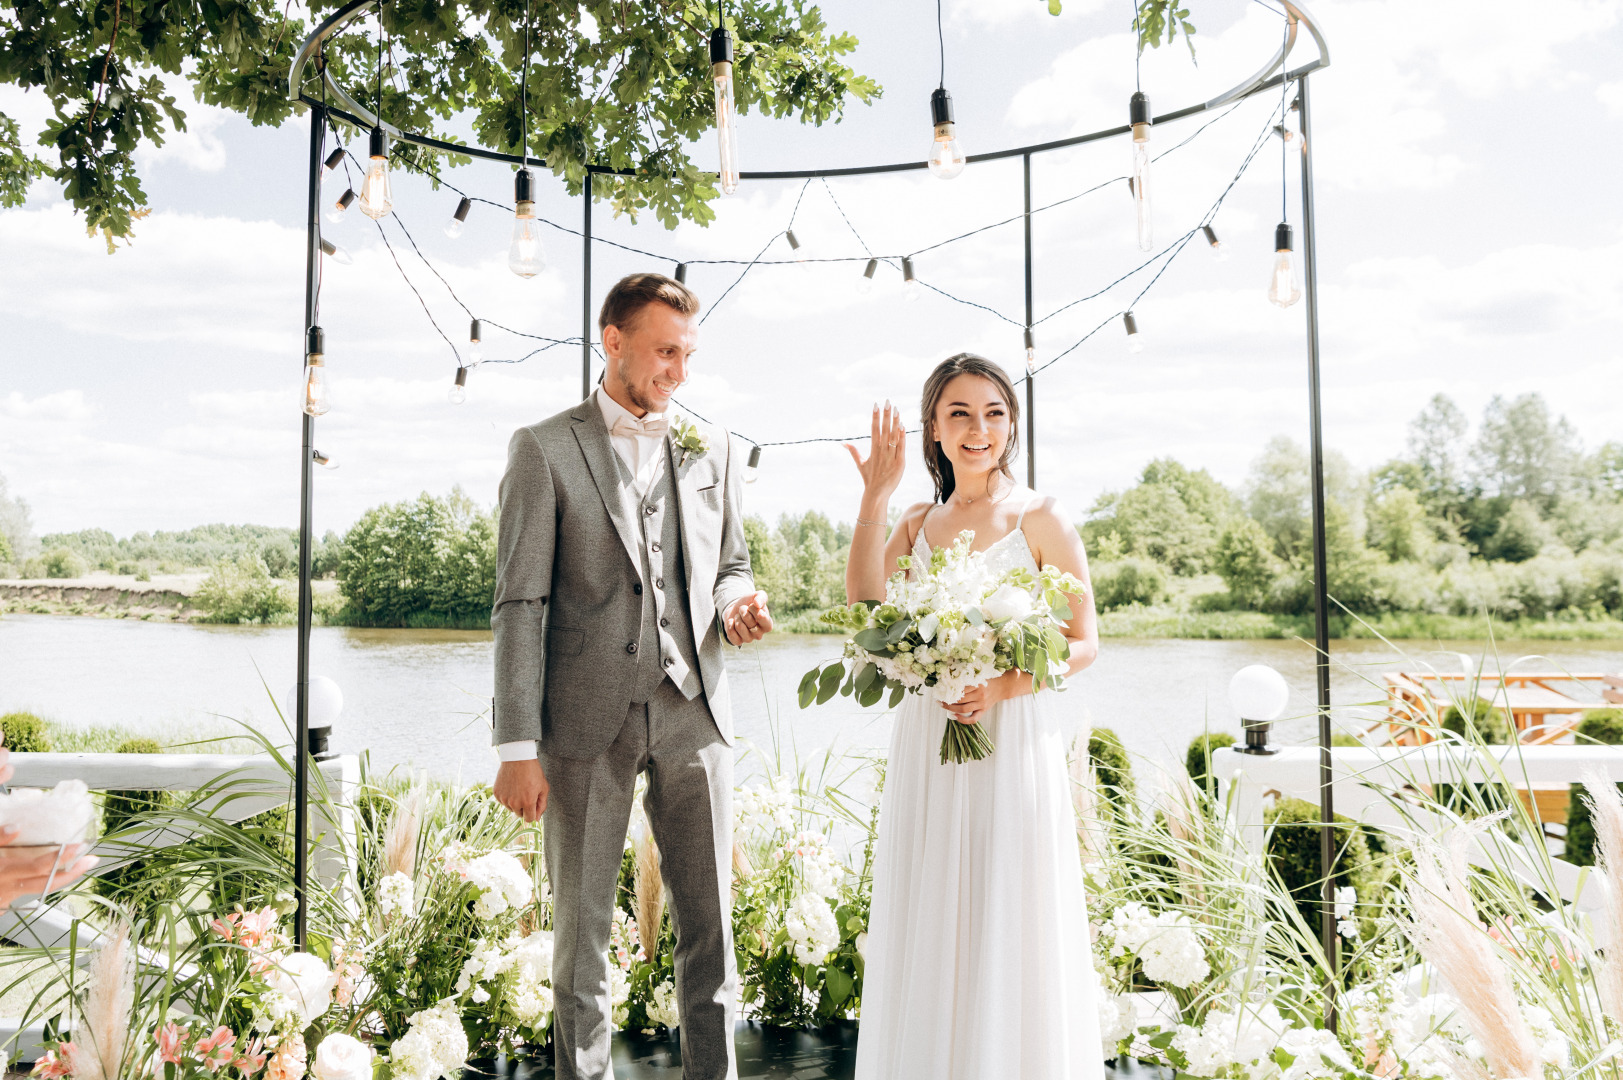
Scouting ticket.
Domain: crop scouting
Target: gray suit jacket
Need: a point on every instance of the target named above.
(566, 567)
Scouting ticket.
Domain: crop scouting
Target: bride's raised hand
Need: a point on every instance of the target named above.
(887, 454)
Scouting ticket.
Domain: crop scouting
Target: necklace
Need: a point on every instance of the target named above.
(971, 502)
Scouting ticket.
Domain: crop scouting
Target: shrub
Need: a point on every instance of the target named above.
(1198, 759)
(1133, 580)
(1112, 768)
(242, 591)
(429, 556)
(1601, 726)
(1293, 852)
(25, 733)
(63, 563)
(117, 809)
(1488, 722)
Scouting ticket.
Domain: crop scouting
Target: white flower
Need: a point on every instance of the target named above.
(662, 1006)
(1346, 899)
(1229, 1038)
(396, 895)
(435, 1045)
(304, 984)
(1167, 944)
(1118, 1018)
(929, 625)
(811, 926)
(59, 816)
(342, 1057)
(1554, 1049)
(619, 995)
(1310, 1047)
(501, 879)
(1009, 601)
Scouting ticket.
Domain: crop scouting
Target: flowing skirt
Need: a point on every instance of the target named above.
(977, 963)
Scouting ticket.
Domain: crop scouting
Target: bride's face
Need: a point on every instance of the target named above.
(972, 424)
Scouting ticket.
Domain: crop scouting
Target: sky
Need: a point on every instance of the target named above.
(1470, 241)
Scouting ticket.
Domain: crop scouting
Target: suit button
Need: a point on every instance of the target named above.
(664, 622)
(659, 583)
(637, 588)
(669, 662)
(631, 646)
(649, 510)
(654, 546)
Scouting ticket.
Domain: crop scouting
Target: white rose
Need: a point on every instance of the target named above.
(342, 1057)
(1008, 602)
(305, 983)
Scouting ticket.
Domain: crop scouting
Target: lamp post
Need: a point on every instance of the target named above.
(1259, 694)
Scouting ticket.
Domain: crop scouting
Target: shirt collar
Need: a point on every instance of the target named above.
(612, 410)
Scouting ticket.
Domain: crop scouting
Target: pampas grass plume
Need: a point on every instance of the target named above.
(648, 889)
(400, 840)
(109, 998)
(1606, 806)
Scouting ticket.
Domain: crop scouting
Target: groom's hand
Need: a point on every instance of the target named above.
(747, 619)
(521, 786)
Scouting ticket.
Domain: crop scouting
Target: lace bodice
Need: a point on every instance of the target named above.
(1005, 554)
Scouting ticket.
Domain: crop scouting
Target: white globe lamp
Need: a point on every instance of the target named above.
(1259, 694)
(326, 702)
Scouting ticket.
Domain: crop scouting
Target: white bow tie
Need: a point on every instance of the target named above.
(650, 425)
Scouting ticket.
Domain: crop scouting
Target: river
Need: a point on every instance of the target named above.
(420, 698)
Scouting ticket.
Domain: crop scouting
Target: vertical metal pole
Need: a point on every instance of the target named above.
(586, 288)
(1031, 379)
(301, 708)
(1321, 597)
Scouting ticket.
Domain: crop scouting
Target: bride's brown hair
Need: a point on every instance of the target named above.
(934, 458)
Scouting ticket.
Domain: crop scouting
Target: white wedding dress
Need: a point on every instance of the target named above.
(978, 963)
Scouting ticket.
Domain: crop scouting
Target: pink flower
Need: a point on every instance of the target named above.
(258, 927)
(171, 1039)
(217, 1050)
(252, 1060)
(288, 1062)
(58, 1063)
(226, 927)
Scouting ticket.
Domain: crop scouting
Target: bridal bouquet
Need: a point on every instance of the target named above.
(950, 625)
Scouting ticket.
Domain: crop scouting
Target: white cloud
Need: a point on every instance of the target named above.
(1611, 95)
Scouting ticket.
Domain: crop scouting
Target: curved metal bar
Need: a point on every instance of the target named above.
(341, 104)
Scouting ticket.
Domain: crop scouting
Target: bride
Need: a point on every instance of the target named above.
(977, 961)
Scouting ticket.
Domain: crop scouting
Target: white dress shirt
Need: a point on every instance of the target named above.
(640, 453)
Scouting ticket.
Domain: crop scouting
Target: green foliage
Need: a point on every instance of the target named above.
(1604, 726)
(634, 99)
(242, 591)
(25, 733)
(1397, 525)
(1160, 22)
(426, 561)
(6, 555)
(1487, 722)
(119, 810)
(1112, 769)
(1129, 581)
(1197, 759)
(1521, 533)
(801, 563)
(1294, 854)
(202, 546)
(1246, 561)
(62, 563)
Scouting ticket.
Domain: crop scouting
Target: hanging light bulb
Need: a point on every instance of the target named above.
(910, 284)
(376, 199)
(476, 348)
(1282, 290)
(946, 158)
(335, 253)
(334, 159)
(752, 470)
(1135, 340)
(682, 273)
(865, 282)
(315, 398)
(453, 227)
(323, 460)
(1138, 113)
(524, 255)
(794, 245)
(1219, 252)
(459, 389)
(1031, 353)
(335, 212)
(721, 72)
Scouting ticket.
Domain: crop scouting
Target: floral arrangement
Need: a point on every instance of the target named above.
(944, 627)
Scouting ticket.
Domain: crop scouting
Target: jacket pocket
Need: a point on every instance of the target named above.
(711, 496)
(565, 641)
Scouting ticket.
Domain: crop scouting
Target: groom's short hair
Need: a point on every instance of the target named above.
(634, 292)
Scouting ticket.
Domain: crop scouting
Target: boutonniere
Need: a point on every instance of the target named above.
(688, 439)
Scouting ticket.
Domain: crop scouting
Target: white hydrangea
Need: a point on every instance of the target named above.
(819, 868)
(397, 895)
(1227, 1038)
(435, 1045)
(1553, 1047)
(1118, 1018)
(772, 804)
(501, 879)
(811, 926)
(619, 995)
(1314, 1053)
(1167, 944)
(485, 962)
(662, 1006)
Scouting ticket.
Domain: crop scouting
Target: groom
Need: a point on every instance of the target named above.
(620, 565)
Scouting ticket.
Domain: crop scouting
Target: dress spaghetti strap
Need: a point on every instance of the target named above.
(1022, 518)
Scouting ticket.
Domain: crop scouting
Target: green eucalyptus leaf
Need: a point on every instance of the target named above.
(829, 683)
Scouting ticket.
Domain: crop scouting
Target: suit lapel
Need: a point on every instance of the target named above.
(593, 436)
(688, 504)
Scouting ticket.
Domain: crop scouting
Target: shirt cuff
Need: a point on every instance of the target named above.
(524, 750)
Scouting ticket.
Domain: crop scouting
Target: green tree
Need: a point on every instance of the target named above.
(1436, 441)
(16, 525)
(1133, 580)
(633, 97)
(1278, 496)
(241, 590)
(1522, 533)
(1522, 452)
(1201, 492)
(1246, 561)
(1153, 520)
(768, 562)
(1607, 467)
(1398, 525)
(423, 561)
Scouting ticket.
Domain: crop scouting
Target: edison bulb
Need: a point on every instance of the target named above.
(1282, 290)
(335, 210)
(457, 394)
(453, 225)
(376, 198)
(946, 156)
(1135, 340)
(316, 400)
(910, 284)
(865, 282)
(721, 74)
(1141, 186)
(524, 255)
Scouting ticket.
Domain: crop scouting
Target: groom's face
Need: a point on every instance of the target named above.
(648, 360)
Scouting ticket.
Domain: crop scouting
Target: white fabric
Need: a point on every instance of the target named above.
(524, 750)
(978, 965)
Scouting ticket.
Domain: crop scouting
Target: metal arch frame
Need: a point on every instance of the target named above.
(335, 101)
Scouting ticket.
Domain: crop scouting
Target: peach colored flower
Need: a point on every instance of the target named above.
(251, 1060)
(58, 1063)
(217, 1050)
(258, 927)
(288, 1062)
(226, 927)
(171, 1039)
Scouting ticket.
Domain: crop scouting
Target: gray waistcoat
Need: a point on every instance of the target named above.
(665, 647)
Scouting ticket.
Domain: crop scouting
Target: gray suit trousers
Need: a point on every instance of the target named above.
(689, 807)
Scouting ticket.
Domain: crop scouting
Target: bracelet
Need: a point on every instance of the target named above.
(864, 521)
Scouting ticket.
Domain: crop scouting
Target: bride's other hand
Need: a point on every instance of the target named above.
(970, 708)
(887, 453)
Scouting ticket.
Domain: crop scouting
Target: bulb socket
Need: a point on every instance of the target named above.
(378, 144)
(721, 46)
(1138, 109)
(318, 742)
(755, 457)
(1284, 237)
(345, 199)
(867, 271)
(1256, 738)
(334, 159)
(940, 106)
(328, 247)
(523, 183)
(789, 235)
(461, 375)
(682, 273)
(315, 344)
(1130, 323)
(1211, 236)
(462, 209)
(321, 459)
(1031, 340)
(907, 269)
(475, 332)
